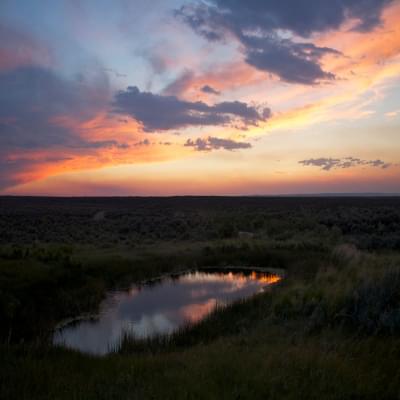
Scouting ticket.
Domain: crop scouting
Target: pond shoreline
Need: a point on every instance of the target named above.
(95, 316)
(162, 305)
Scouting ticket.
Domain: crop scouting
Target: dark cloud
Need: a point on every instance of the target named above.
(214, 143)
(348, 162)
(100, 144)
(40, 111)
(31, 100)
(11, 169)
(144, 142)
(301, 17)
(258, 25)
(157, 112)
(210, 90)
(206, 20)
(292, 62)
(18, 49)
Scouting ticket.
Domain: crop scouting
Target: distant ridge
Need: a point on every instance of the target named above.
(365, 194)
(336, 195)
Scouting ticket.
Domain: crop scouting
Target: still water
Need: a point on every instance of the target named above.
(160, 307)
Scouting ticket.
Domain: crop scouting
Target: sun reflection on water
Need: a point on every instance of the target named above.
(161, 307)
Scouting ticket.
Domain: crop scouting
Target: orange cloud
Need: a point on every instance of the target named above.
(223, 78)
(201, 177)
(107, 141)
(365, 52)
(369, 60)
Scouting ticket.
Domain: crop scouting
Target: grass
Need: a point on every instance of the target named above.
(329, 330)
(295, 342)
(41, 285)
(270, 363)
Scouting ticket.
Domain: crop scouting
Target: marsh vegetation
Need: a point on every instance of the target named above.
(330, 329)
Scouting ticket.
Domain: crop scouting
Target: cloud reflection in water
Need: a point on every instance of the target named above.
(160, 308)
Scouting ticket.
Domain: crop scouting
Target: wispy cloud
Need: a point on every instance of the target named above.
(327, 164)
(144, 142)
(392, 114)
(116, 73)
(214, 143)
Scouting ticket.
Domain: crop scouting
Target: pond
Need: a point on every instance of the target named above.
(160, 306)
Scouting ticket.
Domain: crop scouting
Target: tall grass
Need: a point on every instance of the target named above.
(329, 330)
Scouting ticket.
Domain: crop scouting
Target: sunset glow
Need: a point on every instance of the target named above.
(185, 97)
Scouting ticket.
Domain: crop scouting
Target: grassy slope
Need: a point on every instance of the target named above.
(312, 337)
(269, 363)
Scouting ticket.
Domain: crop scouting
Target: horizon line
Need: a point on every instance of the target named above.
(321, 194)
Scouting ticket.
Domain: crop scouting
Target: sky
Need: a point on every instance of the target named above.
(191, 97)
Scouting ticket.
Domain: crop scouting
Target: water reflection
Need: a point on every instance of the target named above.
(160, 307)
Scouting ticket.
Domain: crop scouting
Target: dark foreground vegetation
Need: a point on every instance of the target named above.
(329, 330)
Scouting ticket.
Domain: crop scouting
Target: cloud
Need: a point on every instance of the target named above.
(214, 143)
(18, 49)
(209, 90)
(392, 114)
(42, 113)
(157, 112)
(100, 144)
(179, 85)
(11, 169)
(292, 62)
(144, 142)
(220, 78)
(34, 101)
(270, 32)
(156, 58)
(116, 73)
(302, 18)
(347, 162)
